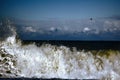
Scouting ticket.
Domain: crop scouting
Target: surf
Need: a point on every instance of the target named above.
(53, 61)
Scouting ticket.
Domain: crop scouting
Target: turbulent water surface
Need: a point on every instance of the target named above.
(52, 61)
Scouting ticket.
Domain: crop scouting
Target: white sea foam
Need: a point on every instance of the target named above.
(50, 61)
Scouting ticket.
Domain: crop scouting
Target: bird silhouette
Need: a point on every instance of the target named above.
(91, 19)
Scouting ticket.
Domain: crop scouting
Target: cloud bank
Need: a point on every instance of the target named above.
(97, 26)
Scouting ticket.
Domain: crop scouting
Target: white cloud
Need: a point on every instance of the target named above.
(86, 29)
(30, 29)
(111, 25)
(52, 29)
(117, 23)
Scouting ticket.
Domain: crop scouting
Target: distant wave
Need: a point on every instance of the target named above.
(51, 61)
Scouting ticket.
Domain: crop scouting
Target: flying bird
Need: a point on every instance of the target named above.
(91, 19)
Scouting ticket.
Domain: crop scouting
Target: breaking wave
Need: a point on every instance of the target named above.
(51, 61)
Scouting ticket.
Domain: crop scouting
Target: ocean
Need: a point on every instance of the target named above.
(58, 59)
(29, 60)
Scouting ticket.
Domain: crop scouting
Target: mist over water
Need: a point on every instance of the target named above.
(5, 29)
(52, 61)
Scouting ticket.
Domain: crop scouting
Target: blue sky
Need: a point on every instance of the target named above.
(65, 9)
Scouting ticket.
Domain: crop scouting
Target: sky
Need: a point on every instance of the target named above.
(63, 9)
